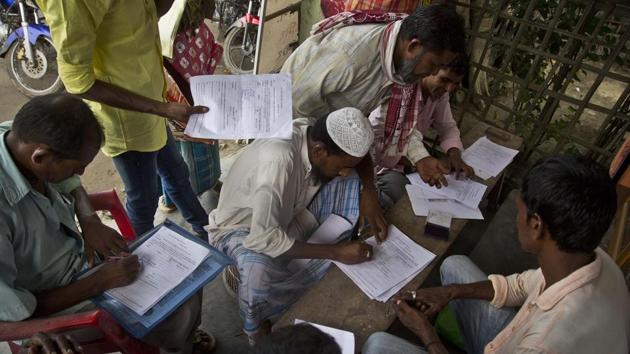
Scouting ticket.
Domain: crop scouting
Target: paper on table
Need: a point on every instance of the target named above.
(396, 288)
(394, 261)
(167, 259)
(467, 192)
(327, 233)
(422, 201)
(242, 107)
(487, 157)
(344, 339)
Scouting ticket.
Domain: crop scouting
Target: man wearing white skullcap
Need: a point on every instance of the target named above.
(275, 195)
(365, 60)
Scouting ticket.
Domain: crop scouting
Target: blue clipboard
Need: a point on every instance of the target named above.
(138, 326)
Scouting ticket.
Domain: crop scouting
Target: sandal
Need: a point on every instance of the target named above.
(165, 208)
(203, 342)
(231, 280)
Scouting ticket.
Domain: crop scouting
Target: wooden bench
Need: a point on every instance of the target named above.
(337, 302)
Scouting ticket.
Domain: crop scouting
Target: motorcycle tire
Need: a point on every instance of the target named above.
(235, 59)
(34, 81)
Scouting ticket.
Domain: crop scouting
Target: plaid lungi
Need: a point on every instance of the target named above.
(267, 287)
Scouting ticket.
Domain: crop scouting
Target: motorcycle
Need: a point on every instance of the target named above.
(30, 56)
(240, 40)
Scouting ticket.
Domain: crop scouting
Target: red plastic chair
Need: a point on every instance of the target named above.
(114, 338)
(108, 200)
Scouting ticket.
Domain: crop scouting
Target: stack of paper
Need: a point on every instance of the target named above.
(344, 339)
(166, 259)
(487, 158)
(395, 263)
(242, 107)
(460, 198)
(422, 201)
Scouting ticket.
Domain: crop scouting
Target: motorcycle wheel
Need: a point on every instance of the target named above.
(33, 80)
(239, 60)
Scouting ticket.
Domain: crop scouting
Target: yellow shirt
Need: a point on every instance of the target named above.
(115, 41)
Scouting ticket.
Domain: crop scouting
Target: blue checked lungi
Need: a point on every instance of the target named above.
(267, 287)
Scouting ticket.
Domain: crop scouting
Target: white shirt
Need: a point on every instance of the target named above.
(266, 192)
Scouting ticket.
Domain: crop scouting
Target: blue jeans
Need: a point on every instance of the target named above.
(139, 172)
(391, 187)
(479, 322)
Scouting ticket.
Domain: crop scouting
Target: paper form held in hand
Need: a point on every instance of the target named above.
(242, 107)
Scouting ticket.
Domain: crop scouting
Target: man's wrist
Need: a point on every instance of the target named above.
(334, 252)
(368, 187)
(428, 336)
(88, 218)
(421, 161)
(454, 152)
(453, 291)
(157, 108)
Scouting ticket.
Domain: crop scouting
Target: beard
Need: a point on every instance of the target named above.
(406, 70)
(319, 176)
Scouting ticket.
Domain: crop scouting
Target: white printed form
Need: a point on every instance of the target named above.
(467, 192)
(422, 201)
(166, 260)
(396, 261)
(488, 158)
(242, 107)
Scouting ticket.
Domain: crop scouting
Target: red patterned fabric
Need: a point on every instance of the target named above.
(332, 7)
(196, 54)
(404, 104)
(406, 6)
(349, 18)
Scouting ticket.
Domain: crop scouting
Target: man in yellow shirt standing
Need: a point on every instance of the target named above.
(108, 52)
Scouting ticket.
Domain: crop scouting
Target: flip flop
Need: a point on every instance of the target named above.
(165, 208)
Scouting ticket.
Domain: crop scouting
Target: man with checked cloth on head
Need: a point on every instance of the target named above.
(275, 195)
(365, 59)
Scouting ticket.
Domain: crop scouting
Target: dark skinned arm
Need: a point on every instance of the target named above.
(369, 205)
(431, 301)
(118, 97)
(162, 6)
(482, 290)
(347, 252)
(98, 236)
(113, 274)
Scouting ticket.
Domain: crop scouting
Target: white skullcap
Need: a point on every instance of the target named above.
(350, 130)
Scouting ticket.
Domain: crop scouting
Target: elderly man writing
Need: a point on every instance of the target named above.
(362, 60)
(275, 195)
